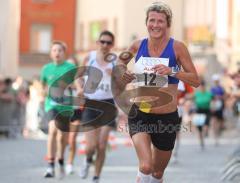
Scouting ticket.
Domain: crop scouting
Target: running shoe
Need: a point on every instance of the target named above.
(95, 179)
(49, 173)
(61, 172)
(69, 169)
(84, 169)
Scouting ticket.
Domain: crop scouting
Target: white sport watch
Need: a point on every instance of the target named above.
(175, 70)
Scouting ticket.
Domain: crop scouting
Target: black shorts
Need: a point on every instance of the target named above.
(51, 115)
(161, 127)
(77, 115)
(218, 114)
(208, 116)
(207, 113)
(90, 114)
(54, 114)
(180, 120)
(62, 119)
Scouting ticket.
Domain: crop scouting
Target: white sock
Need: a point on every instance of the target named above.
(142, 178)
(155, 180)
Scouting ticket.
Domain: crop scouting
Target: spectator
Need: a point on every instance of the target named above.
(6, 93)
(217, 106)
(202, 100)
(235, 93)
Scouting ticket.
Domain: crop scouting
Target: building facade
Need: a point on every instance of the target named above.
(126, 19)
(235, 36)
(9, 31)
(43, 21)
(216, 30)
(209, 27)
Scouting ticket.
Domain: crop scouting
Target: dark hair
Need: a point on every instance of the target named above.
(107, 33)
(8, 81)
(61, 43)
(203, 83)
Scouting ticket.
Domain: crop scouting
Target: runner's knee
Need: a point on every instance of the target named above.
(158, 174)
(71, 140)
(91, 147)
(102, 146)
(52, 130)
(145, 167)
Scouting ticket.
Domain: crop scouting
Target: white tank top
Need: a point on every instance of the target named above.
(103, 90)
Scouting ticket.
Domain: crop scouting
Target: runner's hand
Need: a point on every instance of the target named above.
(80, 93)
(127, 77)
(162, 69)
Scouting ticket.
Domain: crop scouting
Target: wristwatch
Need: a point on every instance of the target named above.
(175, 70)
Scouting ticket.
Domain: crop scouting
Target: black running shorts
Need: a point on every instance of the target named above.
(161, 127)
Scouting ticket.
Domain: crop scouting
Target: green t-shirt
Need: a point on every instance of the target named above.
(203, 99)
(56, 78)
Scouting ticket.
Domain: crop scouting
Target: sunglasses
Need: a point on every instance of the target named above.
(106, 42)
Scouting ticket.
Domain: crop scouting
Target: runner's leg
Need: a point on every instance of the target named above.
(101, 149)
(142, 144)
(51, 148)
(160, 161)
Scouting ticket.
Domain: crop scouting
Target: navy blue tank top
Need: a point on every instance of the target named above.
(168, 52)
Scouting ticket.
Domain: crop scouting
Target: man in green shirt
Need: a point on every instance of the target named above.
(202, 100)
(56, 77)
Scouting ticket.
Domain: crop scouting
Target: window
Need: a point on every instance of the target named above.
(95, 28)
(41, 38)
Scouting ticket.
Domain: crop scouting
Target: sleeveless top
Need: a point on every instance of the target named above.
(103, 90)
(144, 62)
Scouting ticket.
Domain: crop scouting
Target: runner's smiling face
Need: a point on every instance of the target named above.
(57, 53)
(157, 25)
(105, 43)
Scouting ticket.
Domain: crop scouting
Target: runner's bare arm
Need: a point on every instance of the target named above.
(44, 89)
(189, 75)
(133, 48)
(123, 75)
(79, 80)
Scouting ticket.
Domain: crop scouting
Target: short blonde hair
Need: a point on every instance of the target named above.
(160, 7)
(61, 43)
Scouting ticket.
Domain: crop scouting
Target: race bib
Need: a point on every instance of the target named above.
(145, 75)
(199, 119)
(180, 110)
(56, 97)
(216, 105)
(104, 87)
